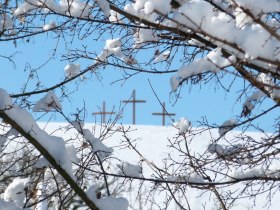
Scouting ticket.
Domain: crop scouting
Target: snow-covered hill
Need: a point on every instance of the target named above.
(155, 154)
(155, 145)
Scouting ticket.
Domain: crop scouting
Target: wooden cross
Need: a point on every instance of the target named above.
(103, 113)
(164, 113)
(134, 101)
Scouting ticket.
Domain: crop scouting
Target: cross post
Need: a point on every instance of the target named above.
(103, 113)
(164, 113)
(134, 101)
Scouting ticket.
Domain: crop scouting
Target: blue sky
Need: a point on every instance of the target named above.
(195, 102)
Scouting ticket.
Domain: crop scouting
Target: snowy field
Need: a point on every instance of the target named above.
(152, 142)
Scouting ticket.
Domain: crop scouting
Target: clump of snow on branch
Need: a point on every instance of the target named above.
(134, 10)
(253, 39)
(113, 43)
(4, 137)
(130, 60)
(258, 7)
(49, 26)
(72, 70)
(162, 56)
(48, 103)
(97, 146)
(41, 163)
(273, 171)
(57, 148)
(115, 17)
(227, 126)
(217, 58)
(29, 5)
(213, 62)
(113, 47)
(149, 6)
(72, 153)
(75, 8)
(6, 22)
(78, 125)
(104, 6)
(107, 203)
(25, 7)
(195, 42)
(216, 148)
(161, 6)
(224, 150)
(247, 173)
(250, 102)
(131, 170)
(183, 125)
(269, 85)
(144, 35)
(53, 144)
(191, 177)
(6, 102)
(241, 18)
(16, 191)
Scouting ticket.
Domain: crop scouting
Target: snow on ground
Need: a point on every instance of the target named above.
(152, 141)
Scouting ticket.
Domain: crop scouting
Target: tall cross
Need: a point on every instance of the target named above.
(134, 101)
(103, 113)
(164, 113)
